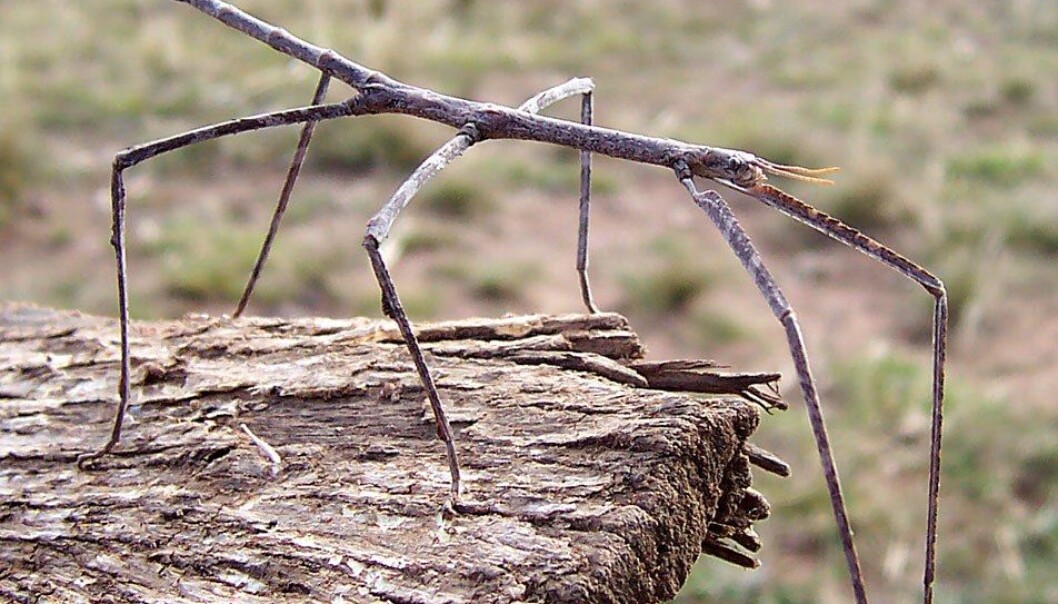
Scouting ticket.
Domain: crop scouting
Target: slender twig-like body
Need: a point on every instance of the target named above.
(377, 93)
(383, 94)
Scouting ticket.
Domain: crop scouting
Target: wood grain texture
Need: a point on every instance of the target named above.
(582, 483)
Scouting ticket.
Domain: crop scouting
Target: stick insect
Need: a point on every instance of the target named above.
(377, 93)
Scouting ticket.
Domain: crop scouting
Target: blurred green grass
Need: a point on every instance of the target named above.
(941, 115)
(1000, 465)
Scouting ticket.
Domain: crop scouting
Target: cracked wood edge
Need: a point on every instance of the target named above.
(275, 460)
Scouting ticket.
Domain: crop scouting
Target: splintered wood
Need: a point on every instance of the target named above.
(274, 460)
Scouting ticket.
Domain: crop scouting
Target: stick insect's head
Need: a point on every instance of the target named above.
(738, 167)
(747, 170)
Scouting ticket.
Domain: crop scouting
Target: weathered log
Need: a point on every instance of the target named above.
(275, 460)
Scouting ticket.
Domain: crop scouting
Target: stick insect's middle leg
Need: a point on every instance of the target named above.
(378, 229)
(392, 307)
(379, 226)
(284, 197)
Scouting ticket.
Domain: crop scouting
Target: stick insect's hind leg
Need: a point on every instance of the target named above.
(138, 154)
(117, 240)
(284, 196)
(724, 220)
(586, 111)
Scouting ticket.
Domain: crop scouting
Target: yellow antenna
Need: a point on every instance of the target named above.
(811, 175)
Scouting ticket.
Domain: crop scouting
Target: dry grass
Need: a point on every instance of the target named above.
(941, 116)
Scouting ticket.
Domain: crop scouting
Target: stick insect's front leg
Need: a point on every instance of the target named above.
(284, 196)
(724, 220)
(381, 223)
(138, 154)
(841, 232)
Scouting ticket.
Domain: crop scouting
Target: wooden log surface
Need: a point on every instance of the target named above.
(276, 460)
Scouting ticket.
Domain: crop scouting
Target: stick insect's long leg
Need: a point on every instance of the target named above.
(381, 223)
(835, 229)
(586, 110)
(284, 196)
(377, 230)
(140, 153)
(724, 220)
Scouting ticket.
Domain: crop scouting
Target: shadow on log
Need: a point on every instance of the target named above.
(274, 460)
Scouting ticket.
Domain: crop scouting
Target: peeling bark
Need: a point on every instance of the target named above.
(275, 460)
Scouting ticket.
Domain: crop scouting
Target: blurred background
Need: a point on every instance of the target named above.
(942, 115)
